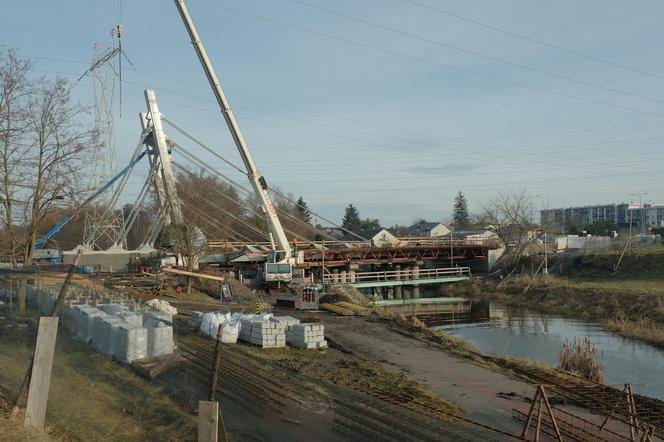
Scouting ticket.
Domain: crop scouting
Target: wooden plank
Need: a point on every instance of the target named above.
(35, 412)
(197, 275)
(208, 421)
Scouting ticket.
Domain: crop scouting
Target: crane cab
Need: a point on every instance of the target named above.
(278, 268)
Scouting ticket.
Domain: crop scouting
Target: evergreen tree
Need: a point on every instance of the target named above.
(369, 224)
(303, 210)
(351, 220)
(461, 218)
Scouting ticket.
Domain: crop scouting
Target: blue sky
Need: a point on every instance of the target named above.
(378, 120)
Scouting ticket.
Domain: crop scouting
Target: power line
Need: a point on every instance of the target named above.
(474, 53)
(522, 154)
(394, 128)
(432, 63)
(533, 40)
(491, 185)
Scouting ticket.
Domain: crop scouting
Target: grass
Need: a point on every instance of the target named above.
(644, 330)
(93, 398)
(582, 359)
(11, 430)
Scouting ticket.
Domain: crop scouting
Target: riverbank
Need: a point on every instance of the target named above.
(633, 310)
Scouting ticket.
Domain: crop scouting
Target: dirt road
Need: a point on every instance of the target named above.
(480, 392)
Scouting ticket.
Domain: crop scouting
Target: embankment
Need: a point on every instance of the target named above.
(629, 301)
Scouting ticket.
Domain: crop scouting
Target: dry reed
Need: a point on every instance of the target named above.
(582, 358)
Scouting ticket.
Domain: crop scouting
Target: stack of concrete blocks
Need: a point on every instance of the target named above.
(264, 333)
(307, 336)
(102, 318)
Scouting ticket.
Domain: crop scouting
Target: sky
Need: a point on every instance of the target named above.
(387, 104)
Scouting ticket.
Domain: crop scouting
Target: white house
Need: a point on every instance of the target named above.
(377, 237)
(422, 230)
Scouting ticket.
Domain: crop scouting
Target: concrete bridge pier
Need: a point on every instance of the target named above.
(407, 292)
(350, 272)
(397, 289)
(416, 275)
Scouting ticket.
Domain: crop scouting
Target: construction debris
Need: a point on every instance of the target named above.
(337, 309)
(259, 307)
(356, 308)
(344, 308)
(164, 306)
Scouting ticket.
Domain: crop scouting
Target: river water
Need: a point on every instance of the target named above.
(524, 333)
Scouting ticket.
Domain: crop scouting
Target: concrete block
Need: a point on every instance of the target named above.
(132, 342)
(160, 338)
(114, 309)
(130, 317)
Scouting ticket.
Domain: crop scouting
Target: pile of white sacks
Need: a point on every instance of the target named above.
(128, 335)
(264, 330)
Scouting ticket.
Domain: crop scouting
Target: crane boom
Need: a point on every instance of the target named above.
(278, 236)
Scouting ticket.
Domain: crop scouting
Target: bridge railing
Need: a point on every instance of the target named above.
(397, 275)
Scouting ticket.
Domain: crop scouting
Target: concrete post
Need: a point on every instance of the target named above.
(335, 276)
(416, 291)
(208, 421)
(10, 292)
(342, 276)
(22, 294)
(40, 379)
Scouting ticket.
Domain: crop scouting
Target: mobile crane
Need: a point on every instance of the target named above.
(279, 265)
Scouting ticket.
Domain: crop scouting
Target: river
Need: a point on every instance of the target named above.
(523, 333)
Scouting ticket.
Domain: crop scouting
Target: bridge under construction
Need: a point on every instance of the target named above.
(404, 262)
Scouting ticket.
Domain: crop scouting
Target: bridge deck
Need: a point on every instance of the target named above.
(392, 278)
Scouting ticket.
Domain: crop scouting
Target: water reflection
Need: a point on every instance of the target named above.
(523, 333)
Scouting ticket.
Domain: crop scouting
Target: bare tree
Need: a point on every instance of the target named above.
(55, 155)
(508, 215)
(218, 205)
(190, 244)
(16, 89)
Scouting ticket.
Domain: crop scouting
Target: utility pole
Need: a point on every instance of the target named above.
(452, 246)
(631, 216)
(641, 217)
(546, 250)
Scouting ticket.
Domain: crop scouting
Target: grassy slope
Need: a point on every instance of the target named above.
(93, 398)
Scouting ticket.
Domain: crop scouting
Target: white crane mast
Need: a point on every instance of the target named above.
(277, 234)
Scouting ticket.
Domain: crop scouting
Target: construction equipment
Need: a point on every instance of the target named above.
(279, 266)
(40, 244)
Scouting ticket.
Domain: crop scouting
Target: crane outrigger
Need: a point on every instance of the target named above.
(279, 266)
